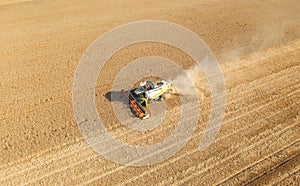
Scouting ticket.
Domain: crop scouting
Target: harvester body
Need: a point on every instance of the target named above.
(139, 98)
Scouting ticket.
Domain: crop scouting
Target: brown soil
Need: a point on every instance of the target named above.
(256, 42)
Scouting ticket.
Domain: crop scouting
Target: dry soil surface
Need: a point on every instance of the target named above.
(256, 42)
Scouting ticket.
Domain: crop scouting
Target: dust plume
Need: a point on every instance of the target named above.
(187, 83)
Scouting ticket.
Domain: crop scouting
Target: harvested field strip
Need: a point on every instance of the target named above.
(81, 154)
(225, 121)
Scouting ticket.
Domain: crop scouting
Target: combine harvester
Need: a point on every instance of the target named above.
(139, 98)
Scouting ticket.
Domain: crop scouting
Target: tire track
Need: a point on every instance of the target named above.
(273, 52)
(292, 180)
(245, 83)
(215, 142)
(251, 147)
(80, 22)
(248, 158)
(284, 170)
(261, 166)
(195, 150)
(250, 90)
(83, 150)
(252, 93)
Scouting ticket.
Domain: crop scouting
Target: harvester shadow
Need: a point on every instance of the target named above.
(117, 96)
